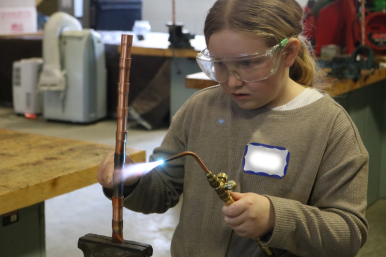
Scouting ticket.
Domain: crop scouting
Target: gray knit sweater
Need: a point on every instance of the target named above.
(319, 204)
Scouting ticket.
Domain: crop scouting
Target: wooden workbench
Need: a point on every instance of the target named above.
(34, 168)
(155, 44)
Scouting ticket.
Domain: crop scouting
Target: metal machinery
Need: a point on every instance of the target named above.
(337, 22)
(26, 97)
(74, 74)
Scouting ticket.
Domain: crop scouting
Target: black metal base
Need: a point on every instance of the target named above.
(102, 246)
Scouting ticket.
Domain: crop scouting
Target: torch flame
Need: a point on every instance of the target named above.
(140, 168)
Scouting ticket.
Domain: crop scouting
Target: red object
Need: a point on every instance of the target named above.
(376, 32)
(309, 24)
(336, 24)
(30, 115)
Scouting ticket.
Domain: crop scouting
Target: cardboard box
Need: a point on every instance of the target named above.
(18, 16)
(17, 3)
(18, 20)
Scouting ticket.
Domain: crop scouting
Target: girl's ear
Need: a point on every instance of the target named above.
(291, 51)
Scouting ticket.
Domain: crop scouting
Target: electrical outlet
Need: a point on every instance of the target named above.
(10, 218)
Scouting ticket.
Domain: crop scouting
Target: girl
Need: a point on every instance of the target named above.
(296, 155)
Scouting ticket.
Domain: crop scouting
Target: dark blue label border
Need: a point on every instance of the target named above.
(263, 173)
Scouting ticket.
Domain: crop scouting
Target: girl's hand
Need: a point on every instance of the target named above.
(251, 216)
(106, 169)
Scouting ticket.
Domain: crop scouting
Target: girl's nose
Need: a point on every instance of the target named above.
(234, 81)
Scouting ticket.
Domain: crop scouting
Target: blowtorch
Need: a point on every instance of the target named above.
(221, 186)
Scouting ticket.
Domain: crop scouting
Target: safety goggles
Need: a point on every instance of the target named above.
(246, 67)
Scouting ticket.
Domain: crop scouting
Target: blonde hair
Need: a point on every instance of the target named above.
(274, 20)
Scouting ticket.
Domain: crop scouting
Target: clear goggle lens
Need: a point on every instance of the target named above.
(247, 68)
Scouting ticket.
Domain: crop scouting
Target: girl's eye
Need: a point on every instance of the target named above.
(220, 64)
(246, 63)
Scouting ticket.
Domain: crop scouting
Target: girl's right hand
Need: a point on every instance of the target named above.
(106, 170)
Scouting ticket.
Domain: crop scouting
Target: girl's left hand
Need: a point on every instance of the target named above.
(251, 215)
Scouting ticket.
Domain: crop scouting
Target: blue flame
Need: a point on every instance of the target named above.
(140, 168)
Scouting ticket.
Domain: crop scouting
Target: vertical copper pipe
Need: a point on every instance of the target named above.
(120, 145)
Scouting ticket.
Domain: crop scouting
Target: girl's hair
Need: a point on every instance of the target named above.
(274, 20)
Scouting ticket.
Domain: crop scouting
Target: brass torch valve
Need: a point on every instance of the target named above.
(222, 187)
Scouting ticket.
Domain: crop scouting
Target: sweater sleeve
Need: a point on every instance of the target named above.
(333, 222)
(160, 189)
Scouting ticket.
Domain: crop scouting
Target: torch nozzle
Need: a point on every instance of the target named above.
(191, 154)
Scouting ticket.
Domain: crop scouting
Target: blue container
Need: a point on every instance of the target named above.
(115, 14)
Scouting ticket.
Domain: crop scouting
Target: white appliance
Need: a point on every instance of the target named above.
(74, 74)
(27, 99)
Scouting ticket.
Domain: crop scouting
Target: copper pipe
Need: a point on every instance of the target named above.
(117, 220)
(191, 154)
(121, 134)
(123, 93)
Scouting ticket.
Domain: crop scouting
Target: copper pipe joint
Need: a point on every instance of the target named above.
(117, 236)
(117, 208)
(117, 223)
(126, 43)
(120, 143)
(117, 178)
(123, 92)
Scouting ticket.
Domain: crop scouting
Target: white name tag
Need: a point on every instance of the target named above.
(266, 160)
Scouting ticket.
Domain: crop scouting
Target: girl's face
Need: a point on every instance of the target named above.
(270, 92)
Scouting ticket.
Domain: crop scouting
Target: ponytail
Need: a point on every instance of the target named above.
(305, 70)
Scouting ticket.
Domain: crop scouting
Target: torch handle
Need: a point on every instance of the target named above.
(218, 183)
(257, 240)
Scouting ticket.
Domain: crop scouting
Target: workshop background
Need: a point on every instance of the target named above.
(161, 79)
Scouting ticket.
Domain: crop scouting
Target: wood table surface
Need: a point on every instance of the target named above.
(338, 86)
(155, 43)
(34, 168)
